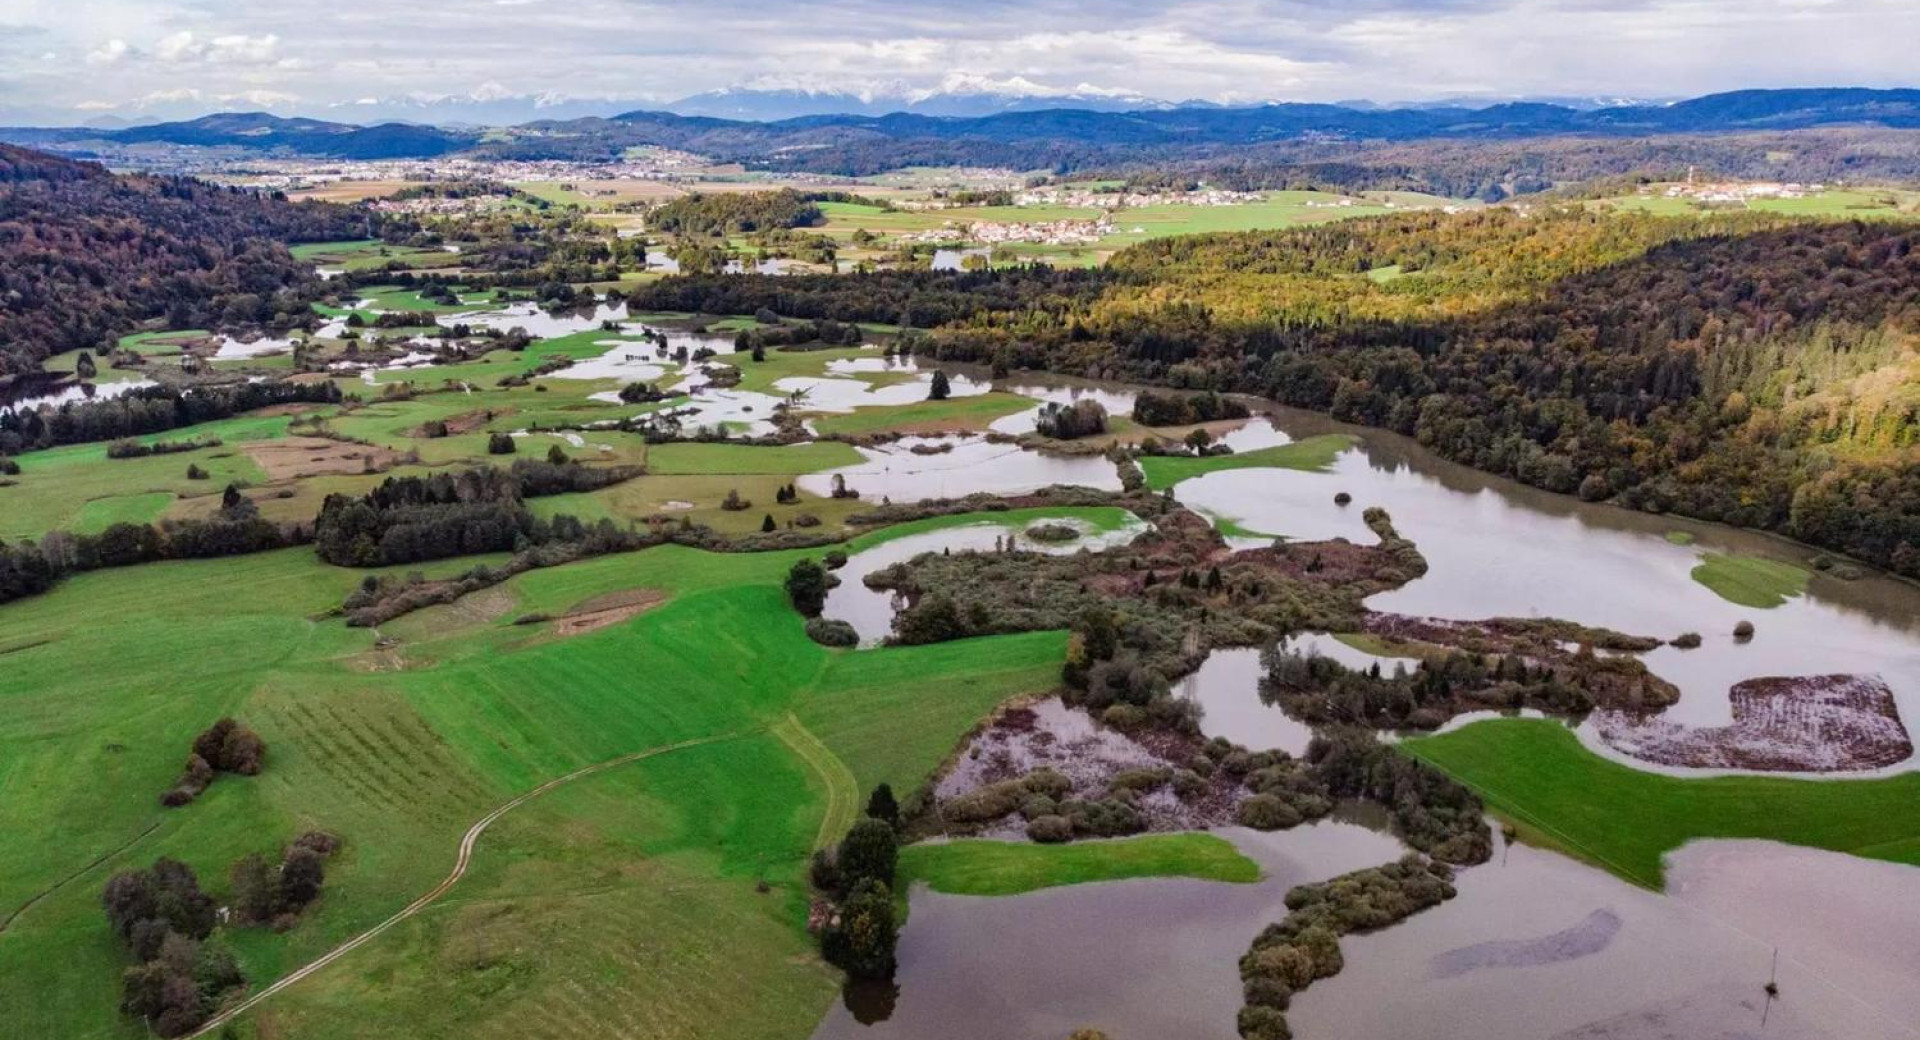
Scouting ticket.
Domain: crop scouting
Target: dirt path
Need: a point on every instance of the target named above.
(843, 791)
(461, 859)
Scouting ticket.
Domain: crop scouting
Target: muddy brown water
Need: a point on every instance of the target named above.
(1536, 946)
(1539, 946)
(1145, 958)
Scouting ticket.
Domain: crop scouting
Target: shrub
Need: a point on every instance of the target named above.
(1687, 640)
(500, 444)
(1267, 812)
(1050, 829)
(835, 559)
(824, 872)
(733, 503)
(806, 586)
(1743, 631)
(941, 389)
(832, 632)
(194, 472)
(1342, 499)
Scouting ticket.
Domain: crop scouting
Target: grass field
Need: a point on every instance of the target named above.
(1750, 581)
(1001, 868)
(647, 872)
(1535, 773)
(1314, 454)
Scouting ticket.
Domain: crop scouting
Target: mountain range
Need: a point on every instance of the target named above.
(1080, 129)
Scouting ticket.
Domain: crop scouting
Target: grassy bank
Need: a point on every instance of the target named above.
(1535, 773)
(1315, 454)
(1003, 868)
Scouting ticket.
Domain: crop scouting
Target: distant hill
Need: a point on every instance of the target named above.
(774, 105)
(86, 254)
(1062, 132)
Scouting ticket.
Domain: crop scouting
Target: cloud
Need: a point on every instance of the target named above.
(231, 49)
(111, 52)
(1222, 50)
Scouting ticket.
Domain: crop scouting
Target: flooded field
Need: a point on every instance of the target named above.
(1498, 549)
(898, 472)
(1151, 958)
(1538, 946)
(1535, 946)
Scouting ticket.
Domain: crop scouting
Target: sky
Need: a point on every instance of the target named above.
(64, 61)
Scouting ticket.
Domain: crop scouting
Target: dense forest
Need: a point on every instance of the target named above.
(1754, 370)
(730, 213)
(86, 254)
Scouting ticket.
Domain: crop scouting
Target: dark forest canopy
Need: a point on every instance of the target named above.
(85, 255)
(1754, 370)
(728, 213)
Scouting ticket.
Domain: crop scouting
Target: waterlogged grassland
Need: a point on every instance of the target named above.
(629, 897)
(1315, 454)
(953, 415)
(1751, 581)
(1536, 774)
(1000, 868)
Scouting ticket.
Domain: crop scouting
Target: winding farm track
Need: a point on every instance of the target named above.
(843, 790)
(461, 859)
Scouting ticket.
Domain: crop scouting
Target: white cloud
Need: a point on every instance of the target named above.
(1224, 50)
(111, 52)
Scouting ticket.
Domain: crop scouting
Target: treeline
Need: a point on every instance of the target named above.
(1739, 368)
(29, 568)
(412, 519)
(86, 255)
(734, 213)
(149, 409)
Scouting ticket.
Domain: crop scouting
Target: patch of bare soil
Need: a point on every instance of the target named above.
(610, 609)
(290, 458)
(1802, 724)
(465, 422)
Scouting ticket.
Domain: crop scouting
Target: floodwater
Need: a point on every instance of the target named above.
(1539, 946)
(1227, 688)
(894, 471)
(1116, 402)
(1145, 958)
(845, 395)
(232, 348)
(956, 259)
(73, 392)
(1497, 549)
(1535, 947)
(871, 611)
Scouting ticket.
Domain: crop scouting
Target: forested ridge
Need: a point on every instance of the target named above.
(1755, 370)
(86, 254)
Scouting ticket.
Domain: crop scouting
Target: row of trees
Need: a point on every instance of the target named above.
(28, 568)
(146, 410)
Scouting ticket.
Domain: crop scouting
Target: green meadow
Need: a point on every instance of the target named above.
(1535, 774)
